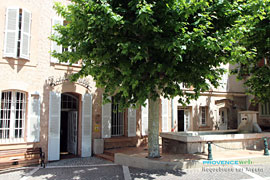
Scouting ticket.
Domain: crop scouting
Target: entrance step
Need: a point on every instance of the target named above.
(105, 156)
(120, 142)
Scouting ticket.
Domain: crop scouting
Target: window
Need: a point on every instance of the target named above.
(265, 109)
(17, 33)
(117, 120)
(12, 115)
(223, 82)
(203, 115)
(68, 102)
(59, 48)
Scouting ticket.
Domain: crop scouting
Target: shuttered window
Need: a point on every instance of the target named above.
(12, 116)
(265, 109)
(59, 48)
(17, 33)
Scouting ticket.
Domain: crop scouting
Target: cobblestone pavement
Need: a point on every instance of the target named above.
(95, 168)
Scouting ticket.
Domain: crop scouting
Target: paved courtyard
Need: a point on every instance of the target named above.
(95, 168)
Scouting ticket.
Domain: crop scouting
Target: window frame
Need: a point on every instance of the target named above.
(120, 121)
(19, 34)
(21, 118)
(205, 109)
(264, 109)
(62, 49)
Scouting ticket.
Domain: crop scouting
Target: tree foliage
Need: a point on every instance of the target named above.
(253, 29)
(141, 49)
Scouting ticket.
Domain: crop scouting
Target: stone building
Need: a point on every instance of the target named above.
(40, 107)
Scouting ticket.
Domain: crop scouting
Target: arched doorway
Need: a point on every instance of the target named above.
(69, 125)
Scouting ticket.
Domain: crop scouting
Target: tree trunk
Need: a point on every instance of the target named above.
(153, 129)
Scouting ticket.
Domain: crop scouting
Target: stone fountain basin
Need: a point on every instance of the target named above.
(196, 141)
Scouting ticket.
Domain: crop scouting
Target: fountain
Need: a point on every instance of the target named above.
(247, 136)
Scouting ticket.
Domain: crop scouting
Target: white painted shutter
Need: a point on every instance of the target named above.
(25, 35)
(106, 120)
(132, 123)
(87, 126)
(54, 126)
(165, 119)
(187, 119)
(144, 114)
(33, 123)
(11, 33)
(54, 46)
(225, 81)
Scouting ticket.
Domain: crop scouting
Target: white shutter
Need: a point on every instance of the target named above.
(87, 126)
(144, 114)
(33, 123)
(187, 119)
(54, 126)
(11, 33)
(25, 34)
(54, 46)
(132, 123)
(106, 120)
(164, 110)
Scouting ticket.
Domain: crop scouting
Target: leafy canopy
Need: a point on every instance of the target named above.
(255, 44)
(142, 49)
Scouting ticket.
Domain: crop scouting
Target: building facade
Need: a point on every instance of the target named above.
(40, 107)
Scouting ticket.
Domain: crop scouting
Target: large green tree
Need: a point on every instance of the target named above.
(254, 42)
(143, 49)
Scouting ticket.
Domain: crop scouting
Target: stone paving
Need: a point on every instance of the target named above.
(15, 174)
(79, 162)
(98, 169)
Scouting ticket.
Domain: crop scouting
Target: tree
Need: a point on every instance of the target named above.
(255, 44)
(143, 49)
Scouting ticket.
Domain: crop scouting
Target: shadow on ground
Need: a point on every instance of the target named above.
(137, 173)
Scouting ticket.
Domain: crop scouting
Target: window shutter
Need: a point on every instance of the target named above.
(144, 114)
(87, 126)
(25, 35)
(33, 123)
(11, 33)
(165, 127)
(106, 120)
(54, 46)
(187, 119)
(132, 122)
(54, 126)
(225, 81)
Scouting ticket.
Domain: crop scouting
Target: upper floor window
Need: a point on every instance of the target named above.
(59, 48)
(223, 83)
(265, 109)
(17, 33)
(12, 115)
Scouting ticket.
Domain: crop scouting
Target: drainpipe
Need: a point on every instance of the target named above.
(172, 113)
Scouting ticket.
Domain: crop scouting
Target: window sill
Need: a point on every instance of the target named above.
(18, 62)
(204, 126)
(264, 116)
(11, 141)
(60, 66)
